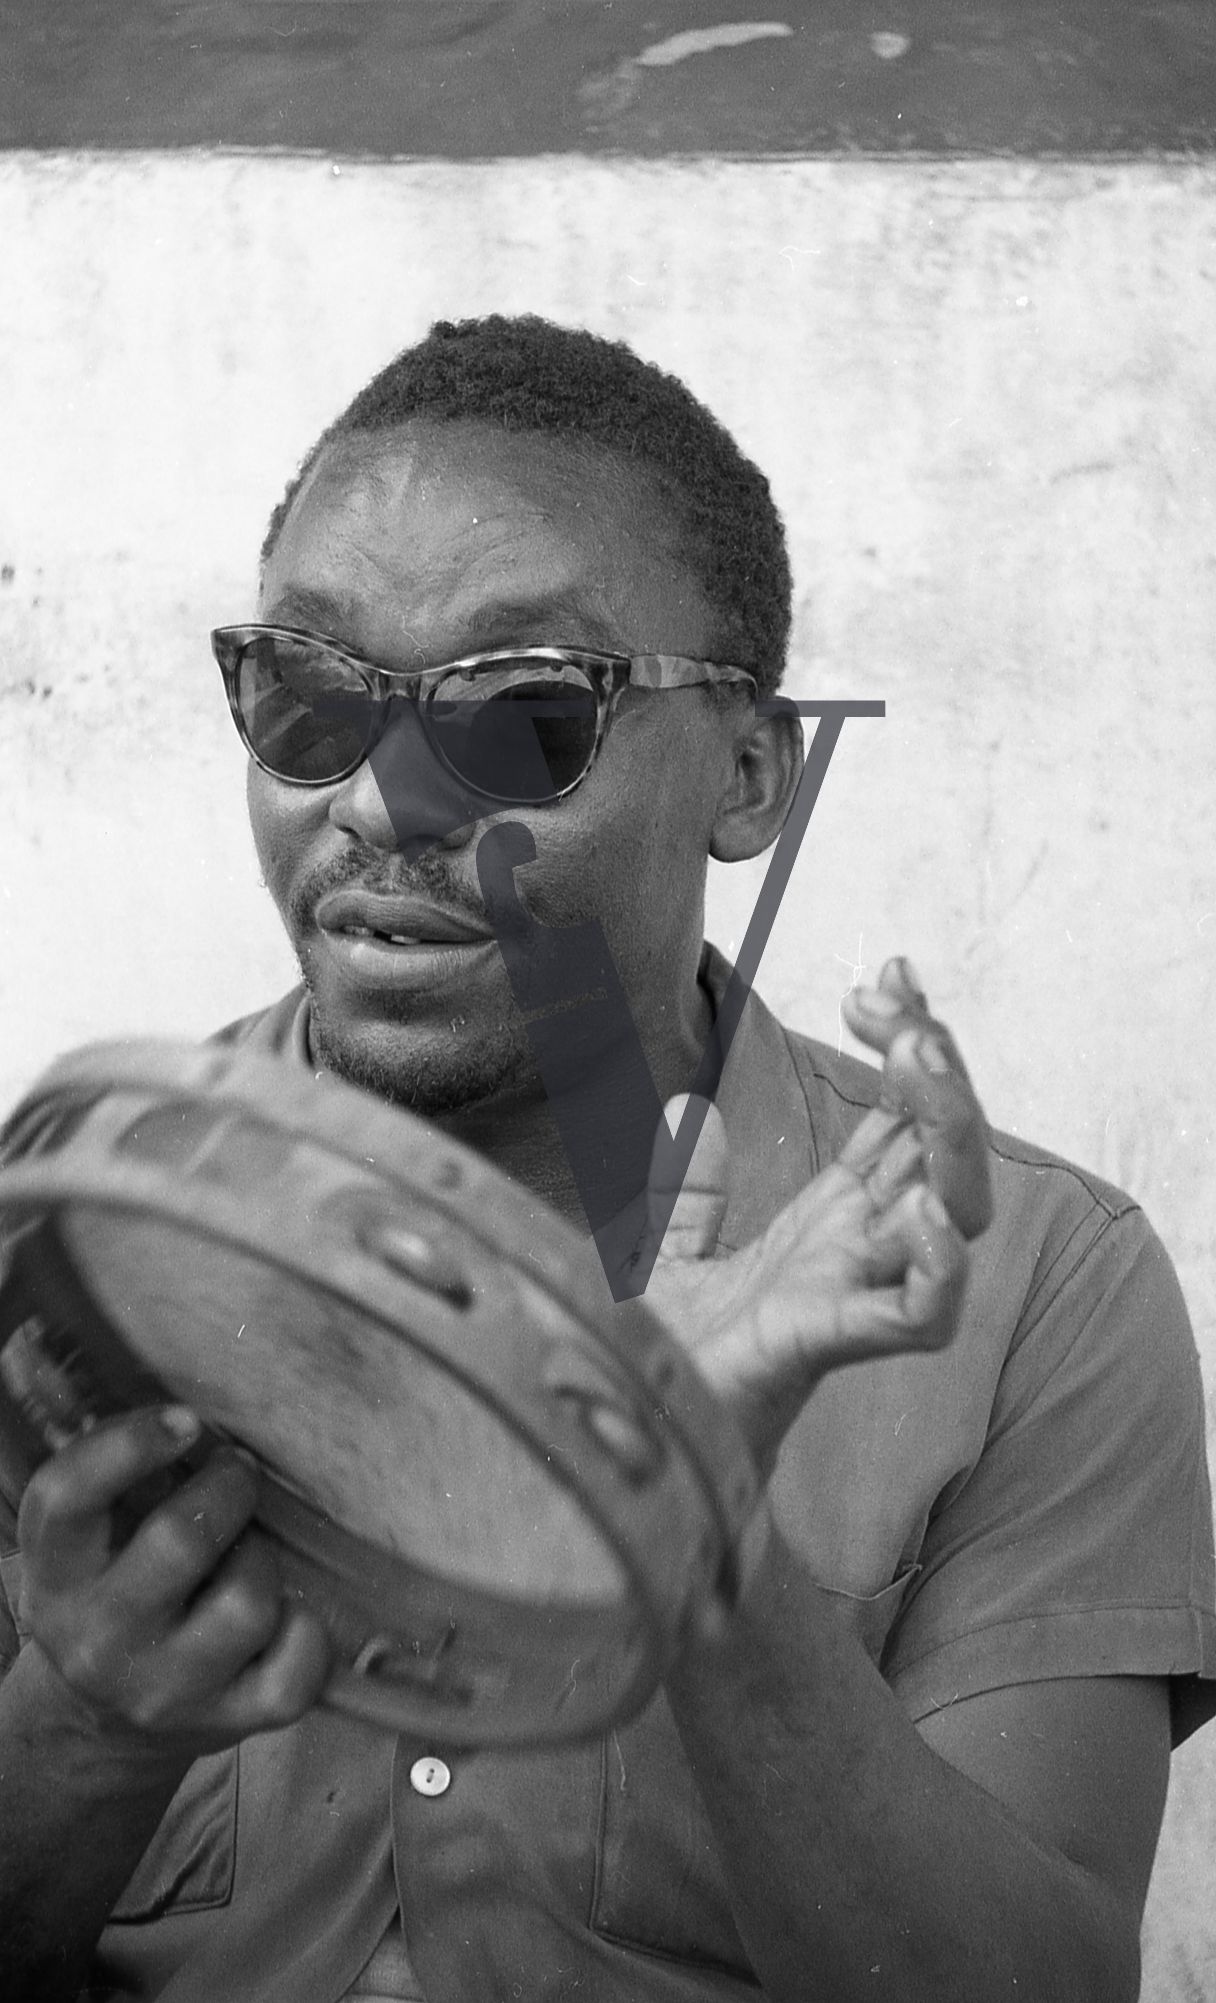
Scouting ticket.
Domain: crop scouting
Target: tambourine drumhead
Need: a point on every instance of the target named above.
(503, 1493)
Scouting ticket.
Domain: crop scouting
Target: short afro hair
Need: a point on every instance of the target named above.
(527, 374)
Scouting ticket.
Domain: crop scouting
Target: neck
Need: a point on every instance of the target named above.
(579, 1132)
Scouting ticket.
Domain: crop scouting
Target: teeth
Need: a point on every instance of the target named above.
(392, 938)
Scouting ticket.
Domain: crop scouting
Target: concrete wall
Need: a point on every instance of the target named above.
(986, 397)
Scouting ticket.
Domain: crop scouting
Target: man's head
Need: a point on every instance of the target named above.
(480, 495)
(528, 376)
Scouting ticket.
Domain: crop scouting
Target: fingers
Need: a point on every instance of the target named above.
(869, 1259)
(183, 1633)
(916, 1243)
(897, 1001)
(236, 1615)
(64, 1521)
(904, 1296)
(283, 1682)
(691, 1207)
(885, 1154)
(925, 1083)
(895, 1007)
(239, 1660)
(180, 1543)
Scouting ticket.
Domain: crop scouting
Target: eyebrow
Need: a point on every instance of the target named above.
(320, 611)
(502, 620)
(511, 618)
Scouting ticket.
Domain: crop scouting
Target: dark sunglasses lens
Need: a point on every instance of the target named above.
(514, 733)
(306, 714)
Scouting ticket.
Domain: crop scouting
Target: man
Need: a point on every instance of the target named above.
(926, 1755)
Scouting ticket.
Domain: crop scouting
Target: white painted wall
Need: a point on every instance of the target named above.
(987, 399)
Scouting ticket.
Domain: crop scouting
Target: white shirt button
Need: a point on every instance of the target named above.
(430, 1776)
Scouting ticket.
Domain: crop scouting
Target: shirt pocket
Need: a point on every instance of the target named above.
(191, 1861)
(659, 1884)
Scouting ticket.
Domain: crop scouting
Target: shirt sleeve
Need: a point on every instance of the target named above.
(1080, 1543)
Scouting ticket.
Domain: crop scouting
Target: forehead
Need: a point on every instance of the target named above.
(418, 537)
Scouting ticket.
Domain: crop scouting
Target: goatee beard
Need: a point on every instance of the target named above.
(436, 1078)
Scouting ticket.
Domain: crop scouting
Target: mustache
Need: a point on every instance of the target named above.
(427, 876)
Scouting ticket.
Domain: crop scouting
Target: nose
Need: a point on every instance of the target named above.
(357, 806)
(401, 797)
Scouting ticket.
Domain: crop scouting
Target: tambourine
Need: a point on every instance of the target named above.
(504, 1495)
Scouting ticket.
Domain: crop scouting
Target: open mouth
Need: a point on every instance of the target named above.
(374, 938)
(401, 942)
(397, 938)
(371, 959)
(400, 920)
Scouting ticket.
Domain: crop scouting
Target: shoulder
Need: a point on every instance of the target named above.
(1069, 1280)
(1053, 1498)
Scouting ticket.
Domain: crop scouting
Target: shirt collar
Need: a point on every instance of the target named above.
(769, 1134)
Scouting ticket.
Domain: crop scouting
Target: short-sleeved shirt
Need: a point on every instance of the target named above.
(1031, 1502)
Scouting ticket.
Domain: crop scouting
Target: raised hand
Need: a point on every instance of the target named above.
(868, 1259)
(925, 1081)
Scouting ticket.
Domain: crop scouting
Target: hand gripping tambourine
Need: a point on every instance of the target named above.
(502, 1494)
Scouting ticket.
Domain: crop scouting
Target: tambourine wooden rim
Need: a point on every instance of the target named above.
(451, 1268)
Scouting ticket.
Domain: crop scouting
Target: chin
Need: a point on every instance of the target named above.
(420, 1069)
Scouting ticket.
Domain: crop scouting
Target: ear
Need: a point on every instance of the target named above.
(767, 766)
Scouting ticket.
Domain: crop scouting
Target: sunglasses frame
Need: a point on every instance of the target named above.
(611, 675)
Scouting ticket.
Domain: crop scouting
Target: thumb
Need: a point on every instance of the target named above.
(686, 1210)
